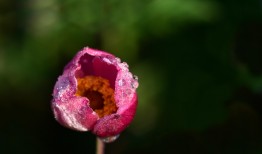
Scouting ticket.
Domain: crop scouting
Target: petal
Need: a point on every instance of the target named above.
(114, 124)
(105, 70)
(75, 114)
(69, 110)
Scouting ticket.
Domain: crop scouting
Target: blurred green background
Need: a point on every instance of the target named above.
(198, 62)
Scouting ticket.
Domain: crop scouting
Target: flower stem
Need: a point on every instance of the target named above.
(100, 146)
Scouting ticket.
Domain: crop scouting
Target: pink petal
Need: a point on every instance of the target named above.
(74, 112)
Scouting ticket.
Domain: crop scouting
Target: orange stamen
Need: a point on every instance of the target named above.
(99, 93)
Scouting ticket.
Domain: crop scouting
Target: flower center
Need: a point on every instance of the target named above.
(99, 93)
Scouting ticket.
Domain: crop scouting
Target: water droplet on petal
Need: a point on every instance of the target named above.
(110, 139)
(62, 87)
(121, 82)
(118, 59)
(108, 60)
(135, 77)
(125, 64)
(134, 83)
(63, 84)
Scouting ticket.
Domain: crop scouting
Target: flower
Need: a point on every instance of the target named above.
(97, 93)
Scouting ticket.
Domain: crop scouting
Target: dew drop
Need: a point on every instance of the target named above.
(118, 59)
(124, 94)
(125, 64)
(134, 83)
(62, 88)
(108, 60)
(110, 139)
(121, 82)
(63, 84)
(135, 77)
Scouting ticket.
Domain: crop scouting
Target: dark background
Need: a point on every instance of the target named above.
(198, 62)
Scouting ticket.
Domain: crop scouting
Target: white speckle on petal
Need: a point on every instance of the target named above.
(70, 118)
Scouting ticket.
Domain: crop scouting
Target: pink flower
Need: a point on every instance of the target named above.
(97, 93)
